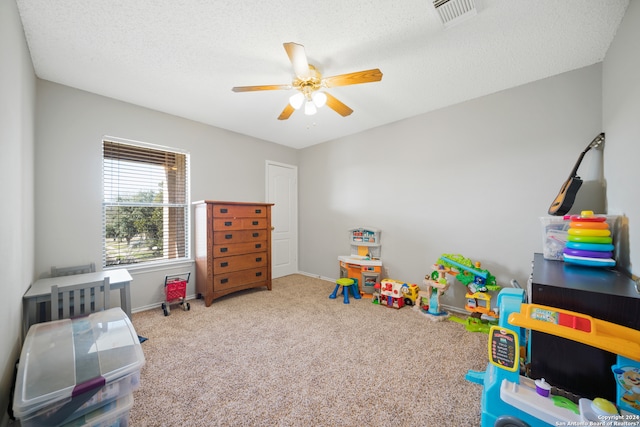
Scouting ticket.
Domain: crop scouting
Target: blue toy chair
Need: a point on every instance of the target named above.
(346, 284)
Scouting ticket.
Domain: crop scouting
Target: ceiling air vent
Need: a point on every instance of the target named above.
(452, 12)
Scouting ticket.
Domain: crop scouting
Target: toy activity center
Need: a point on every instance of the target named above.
(363, 265)
(511, 399)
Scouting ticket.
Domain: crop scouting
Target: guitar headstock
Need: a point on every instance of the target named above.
(597, 141)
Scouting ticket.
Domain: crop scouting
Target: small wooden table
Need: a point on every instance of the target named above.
(40, 291)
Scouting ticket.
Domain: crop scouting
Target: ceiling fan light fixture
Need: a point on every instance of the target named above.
(319, 99)
(310, 108)
(296, 100)
(307, 81)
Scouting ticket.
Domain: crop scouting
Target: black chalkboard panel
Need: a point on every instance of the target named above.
(504, 348)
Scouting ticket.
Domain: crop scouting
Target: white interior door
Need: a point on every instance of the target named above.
(282, 190)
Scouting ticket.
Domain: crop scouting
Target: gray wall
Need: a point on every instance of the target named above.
(472, 179)
(621, 113)
(70, 126)
(17, 106)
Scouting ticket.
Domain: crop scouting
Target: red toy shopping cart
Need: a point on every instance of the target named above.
(175, 290)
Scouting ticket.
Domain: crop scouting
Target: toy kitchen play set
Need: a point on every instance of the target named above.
(364, 264)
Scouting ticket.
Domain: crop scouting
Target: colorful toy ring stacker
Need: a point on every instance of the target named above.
(588, 216)
(590, 246)
(589, 232)
(589, 239)
(592, 262)
(589, 225)
(588, 254)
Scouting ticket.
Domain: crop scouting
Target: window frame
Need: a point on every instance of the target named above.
(166, 259)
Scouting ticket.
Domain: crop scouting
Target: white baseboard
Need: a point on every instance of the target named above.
(455, 309)
(316, 276)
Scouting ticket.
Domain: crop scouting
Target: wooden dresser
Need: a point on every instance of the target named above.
(232, 247)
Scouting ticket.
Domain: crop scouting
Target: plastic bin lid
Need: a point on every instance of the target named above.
(65, 358)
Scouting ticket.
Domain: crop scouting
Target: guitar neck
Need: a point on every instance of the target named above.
(574, 171)
(595, 143)
(565, 198)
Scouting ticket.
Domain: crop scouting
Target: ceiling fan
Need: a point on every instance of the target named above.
(308, 81)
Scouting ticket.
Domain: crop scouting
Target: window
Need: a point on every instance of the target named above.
(145, 204)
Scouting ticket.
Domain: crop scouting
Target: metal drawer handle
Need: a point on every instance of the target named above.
(224, 249)
(228, 236)
(258, 274)
(258, 211)
(223, 210)
(258, 245)
(225, 280)
(258, 259)
(255, 234)
(224, 264)
(228, 223)
(254, 223)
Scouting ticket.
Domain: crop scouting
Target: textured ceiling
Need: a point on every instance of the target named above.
(183, 57)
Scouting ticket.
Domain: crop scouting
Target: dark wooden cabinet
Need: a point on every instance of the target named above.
(605, 294)
(232, 247)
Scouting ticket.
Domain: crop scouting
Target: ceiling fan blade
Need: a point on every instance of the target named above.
(338, 106)
(263, 87)
(286, 113)
(367, 76)
(298, 59)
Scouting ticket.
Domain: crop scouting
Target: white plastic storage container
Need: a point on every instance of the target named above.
(71, 367)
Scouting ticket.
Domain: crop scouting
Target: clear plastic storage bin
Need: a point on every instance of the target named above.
(555, 232)
(113, 414)
(554, 236)
(71, 367)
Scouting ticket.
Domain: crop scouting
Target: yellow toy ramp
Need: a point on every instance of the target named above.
(581, 328)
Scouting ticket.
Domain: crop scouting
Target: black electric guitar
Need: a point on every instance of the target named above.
(567, 195)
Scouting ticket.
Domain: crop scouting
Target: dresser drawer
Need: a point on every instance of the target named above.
(239, 278)
(240, 262)
(238, 211)
(238, 236)
(230, 249)
(222, 224)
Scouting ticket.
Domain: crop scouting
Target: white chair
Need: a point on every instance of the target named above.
(78, 300)
(68, 271)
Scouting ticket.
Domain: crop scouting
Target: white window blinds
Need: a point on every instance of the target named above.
(145, 204)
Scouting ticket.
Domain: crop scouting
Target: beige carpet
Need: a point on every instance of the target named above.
(294, 357)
